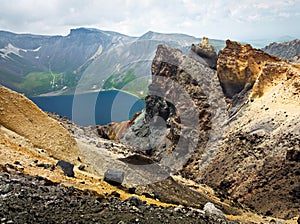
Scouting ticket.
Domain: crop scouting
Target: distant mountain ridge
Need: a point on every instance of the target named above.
(85, 59)
(22, 54)
(287, 50)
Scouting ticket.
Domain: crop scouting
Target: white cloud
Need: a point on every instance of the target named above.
(215, 18)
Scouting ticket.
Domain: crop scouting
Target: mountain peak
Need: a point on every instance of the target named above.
(148, 35)
(83, 30)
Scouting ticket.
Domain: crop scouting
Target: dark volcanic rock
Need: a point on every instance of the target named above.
(179, 110)
(31, 200)
(114, 177)
(137, 159)
(293, 155)
(134, 201)
(66, 167)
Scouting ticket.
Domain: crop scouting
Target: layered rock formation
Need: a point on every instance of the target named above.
(183, 98)
(243, 70)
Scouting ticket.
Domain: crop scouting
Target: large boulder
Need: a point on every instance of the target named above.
(114, 177)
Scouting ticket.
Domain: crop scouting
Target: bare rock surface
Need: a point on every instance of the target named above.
(287, 50)
(256, 164)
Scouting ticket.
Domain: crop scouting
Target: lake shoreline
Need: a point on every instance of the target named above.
(92, 108)
(72, 93)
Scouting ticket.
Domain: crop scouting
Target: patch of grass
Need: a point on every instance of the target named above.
(69, 79)
(129, 82)
(120, 79)
(36, 83)
(138, 87)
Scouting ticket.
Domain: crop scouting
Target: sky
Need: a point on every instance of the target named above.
(219, 19)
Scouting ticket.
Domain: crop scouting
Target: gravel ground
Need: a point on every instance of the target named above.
(32, 199)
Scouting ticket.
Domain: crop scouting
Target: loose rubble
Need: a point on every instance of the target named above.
(33, 199)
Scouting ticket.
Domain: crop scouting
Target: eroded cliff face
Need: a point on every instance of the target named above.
(183, 98)
(238, 68)
(258, 160)
(20, 115)
(246, 73)
(249, 151)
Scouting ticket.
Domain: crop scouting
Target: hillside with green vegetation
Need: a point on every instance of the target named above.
(83, 60)
(138, 87)
(128, 81)
(120, 79)
(36, 83)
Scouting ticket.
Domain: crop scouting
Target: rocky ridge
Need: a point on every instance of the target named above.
(287, 50)
(206, 53)
(253, 164)
(176, 123)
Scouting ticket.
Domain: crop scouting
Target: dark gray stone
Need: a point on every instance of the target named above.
(114, 177)
(81, 167)
(66, 167)
(135, 201)
(293, 155)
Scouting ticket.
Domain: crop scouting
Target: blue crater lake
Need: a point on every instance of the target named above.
(95, 108)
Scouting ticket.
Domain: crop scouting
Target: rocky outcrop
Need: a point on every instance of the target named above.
(20, 115)
(206, 53)
(256, 163)
(239, 67)
(184, 98)
(247, 158)
(247, 72)
(287, 50)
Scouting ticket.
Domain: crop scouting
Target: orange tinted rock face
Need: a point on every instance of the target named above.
(114, 130)
(240, 65)
(257, 160)
(274, 73)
